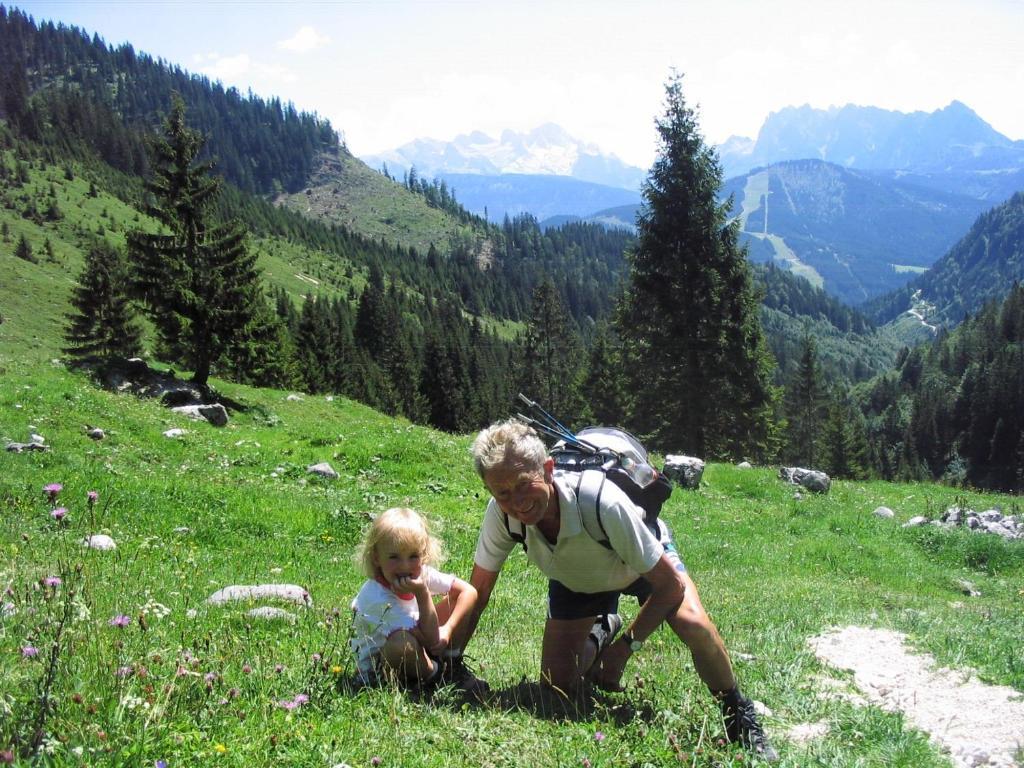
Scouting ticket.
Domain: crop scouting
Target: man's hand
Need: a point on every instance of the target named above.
(607, 671)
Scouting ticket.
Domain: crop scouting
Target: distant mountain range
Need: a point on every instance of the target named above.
(951, 146)
(544, 172)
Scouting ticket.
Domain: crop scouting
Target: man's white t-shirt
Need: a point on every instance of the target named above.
(576, 559)
(379, 613)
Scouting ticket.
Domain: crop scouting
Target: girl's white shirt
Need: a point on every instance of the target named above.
(378, 613)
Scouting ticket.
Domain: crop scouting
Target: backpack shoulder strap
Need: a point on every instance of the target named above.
(588, 497)
(518, 534)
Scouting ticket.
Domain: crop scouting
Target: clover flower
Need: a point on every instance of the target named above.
(246, 669)
(92, 496)
(29, 651)
(120, 620)
(599, 737)
(52, 489)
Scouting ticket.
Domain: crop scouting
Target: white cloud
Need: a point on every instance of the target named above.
(227, 69)
(303, 41)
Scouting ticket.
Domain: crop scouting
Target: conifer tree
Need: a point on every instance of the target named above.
(198, 281)
(805, 405)
(604, 384)
(550, 355)
(23, 250)
(690, 318)
(103, 324)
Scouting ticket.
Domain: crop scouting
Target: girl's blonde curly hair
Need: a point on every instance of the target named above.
(402, 527)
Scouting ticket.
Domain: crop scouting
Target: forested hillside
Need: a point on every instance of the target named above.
(978, 269)
(954, 409)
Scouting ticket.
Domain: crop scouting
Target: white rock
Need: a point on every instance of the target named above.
(214, 413)
(744, 465)
(294, 398)
(805, 732)
(270, 613)
(323, 469)
(99, 541)
(762, 710)
(96, 433)
(883, 512)
(182, 530)
(916, 521)
(7, 609)
(34, 438)
(329, 398)
(685, 471)
(176, 432)
(289, 593)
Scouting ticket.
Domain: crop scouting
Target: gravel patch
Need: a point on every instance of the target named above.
(976, 723)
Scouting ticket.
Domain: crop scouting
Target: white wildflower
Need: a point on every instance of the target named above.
(155, 609)
(131, 701)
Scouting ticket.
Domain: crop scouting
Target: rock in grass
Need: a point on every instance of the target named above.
(914, 522)
(323, 469)
(99, 541)
(19, 447)
(684, 471)
(811, 479)
(288, 593)
(176, 432)
(269, 613)
(215, 413)
(883, 512)
(744, 465)
(96, 433)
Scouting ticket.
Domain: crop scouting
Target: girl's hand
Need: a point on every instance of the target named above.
(444, 640)
(415, 585)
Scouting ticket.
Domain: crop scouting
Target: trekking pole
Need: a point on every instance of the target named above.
(550, 419)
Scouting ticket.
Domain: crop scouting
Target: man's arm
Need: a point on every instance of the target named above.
(483, 581)
(668, 590)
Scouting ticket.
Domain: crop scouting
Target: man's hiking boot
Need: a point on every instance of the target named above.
(742, 725)
(604, 631)
(456, 672)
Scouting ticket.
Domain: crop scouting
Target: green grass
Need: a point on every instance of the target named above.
(773, 572)
(345, 191)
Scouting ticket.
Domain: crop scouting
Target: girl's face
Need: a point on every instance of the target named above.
(397, 560)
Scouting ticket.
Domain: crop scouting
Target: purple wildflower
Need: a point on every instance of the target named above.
(120, 620)
(278, 669)
(52, 581)
(29, 651)
(246, 669)
(52, 490)
(92, 496)
(123, 671)
(234, 693)
(59, 514)
(301, 699)
(586, 762)
(210, 677)
(599, 737)
(375, 761)
(288, 705)
(160, 764)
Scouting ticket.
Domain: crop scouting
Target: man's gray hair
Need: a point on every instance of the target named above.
(506, 440)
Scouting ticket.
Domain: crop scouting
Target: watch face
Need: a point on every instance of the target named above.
(635, 645)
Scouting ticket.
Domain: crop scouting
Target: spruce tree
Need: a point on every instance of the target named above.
(805, 405)
(24, 250)
(103, 324)
(550, 355)
(604, 384)
(198, 281)
(690, 319)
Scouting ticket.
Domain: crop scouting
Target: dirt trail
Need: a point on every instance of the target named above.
(978, 724)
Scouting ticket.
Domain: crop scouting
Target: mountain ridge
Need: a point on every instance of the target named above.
(548, 149)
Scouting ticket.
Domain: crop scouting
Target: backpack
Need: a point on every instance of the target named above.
(596, 455)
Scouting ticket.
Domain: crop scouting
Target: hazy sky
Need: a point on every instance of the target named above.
(387, 71)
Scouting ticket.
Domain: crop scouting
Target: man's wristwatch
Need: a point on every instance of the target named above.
(634, 644)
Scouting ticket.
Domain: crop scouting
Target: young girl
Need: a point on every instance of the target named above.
(397, 626)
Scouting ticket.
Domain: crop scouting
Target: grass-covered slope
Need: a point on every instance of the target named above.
(345, 191)
(190, 684)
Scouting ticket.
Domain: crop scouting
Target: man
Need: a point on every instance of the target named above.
(586, 577)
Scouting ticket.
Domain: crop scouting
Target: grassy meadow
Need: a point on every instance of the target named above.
(187, 683)
(114, 658)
